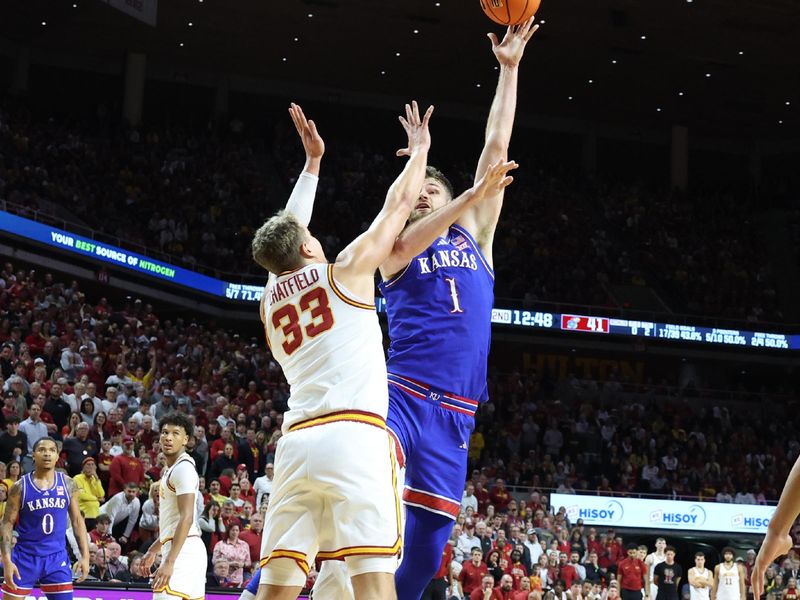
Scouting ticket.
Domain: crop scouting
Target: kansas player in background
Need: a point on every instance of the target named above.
(42, 499)
(183, 552)
(438, 283)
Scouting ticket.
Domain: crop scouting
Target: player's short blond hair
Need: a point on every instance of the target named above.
(276, 244)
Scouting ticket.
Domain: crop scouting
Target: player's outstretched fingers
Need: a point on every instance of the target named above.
(426, 119)
(415, 108)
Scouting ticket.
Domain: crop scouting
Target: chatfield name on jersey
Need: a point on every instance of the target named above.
(292, 285)
(447, 258)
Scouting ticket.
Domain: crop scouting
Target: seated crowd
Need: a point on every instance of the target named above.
(193, 196)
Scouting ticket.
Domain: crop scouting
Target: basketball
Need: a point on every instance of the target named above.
(510, 12)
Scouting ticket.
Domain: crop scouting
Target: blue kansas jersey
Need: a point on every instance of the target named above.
(43, 516)
(439, 310)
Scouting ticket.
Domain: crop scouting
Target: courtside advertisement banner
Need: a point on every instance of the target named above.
(607, 511)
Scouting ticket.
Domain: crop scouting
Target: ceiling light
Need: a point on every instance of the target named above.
(741, 52)
(181, 44)
(644, 37)
(296, 39)
(397, 54)
(383, 72)
(44, 23)
(191, 24)
(416, 31)
(680, 93)
(542, 22)
(591, 81)
(477, 85)
(569, 97)
(310, 15)
(780, 122)
(788, 103)
(613, 61)
(74, 6)
(438, 4)
(284, 59)
(708, 74)
(658, 109)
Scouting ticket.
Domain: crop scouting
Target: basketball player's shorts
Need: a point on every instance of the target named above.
(334, 497)
(188, 580)
(51, 572)
(432, 430)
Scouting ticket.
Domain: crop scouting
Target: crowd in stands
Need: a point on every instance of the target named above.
(531, 551)
(197, 196)
(98, 378)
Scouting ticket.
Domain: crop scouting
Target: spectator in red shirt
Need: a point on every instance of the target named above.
(524, 589)
(218, 446)
(485, 591)
(252, 536)
(566, 571)
(483, 497)
(499, 496)
(516, 569)
(101, 534)
(473, 571)
(593, 544)
(610, 554)
(96, 374)
(125, 468)
(632, 575)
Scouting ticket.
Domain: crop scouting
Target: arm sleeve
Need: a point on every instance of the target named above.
(184, 478)
(301, 201)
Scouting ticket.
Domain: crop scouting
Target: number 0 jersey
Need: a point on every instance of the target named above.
(327, 341)
(43, 516)
(440, 313)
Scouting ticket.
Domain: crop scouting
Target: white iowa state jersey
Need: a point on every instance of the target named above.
(328, 342)
(180, 478)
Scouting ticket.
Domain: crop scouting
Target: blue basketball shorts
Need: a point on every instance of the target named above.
(431, 430)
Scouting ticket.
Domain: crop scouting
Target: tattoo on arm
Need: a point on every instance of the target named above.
(72, 487)
(10, 517)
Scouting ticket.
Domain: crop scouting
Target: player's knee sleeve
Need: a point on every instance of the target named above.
(333, 582)
(426, 534)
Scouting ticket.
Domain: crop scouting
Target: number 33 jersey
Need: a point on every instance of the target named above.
(327, 341)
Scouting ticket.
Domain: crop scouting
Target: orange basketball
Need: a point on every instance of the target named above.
(510, 12)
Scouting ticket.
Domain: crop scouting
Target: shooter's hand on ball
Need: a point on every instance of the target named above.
(509, 51)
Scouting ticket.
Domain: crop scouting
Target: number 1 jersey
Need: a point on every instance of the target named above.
(328, 342)
(440, 313)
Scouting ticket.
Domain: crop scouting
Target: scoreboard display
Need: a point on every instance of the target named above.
(646, 329)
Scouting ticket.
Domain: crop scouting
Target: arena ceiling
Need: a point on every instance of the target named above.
(723, 67)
